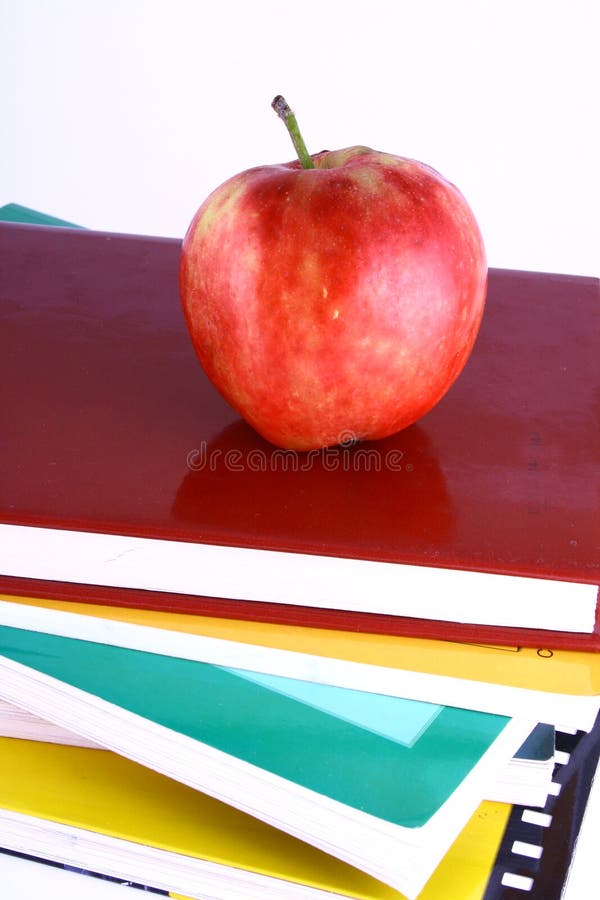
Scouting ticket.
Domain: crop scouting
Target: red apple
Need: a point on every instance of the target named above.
(335, 296)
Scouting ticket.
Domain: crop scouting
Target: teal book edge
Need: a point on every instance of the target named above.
(402, 781)
(14, 212)
(540, 745)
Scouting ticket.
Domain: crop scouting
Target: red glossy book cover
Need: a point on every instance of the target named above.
(109, 426)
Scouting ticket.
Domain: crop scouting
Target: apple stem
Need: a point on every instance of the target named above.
(281, 107)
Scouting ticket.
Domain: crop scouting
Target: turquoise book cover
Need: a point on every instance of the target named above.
(398, 760)
(15, 212)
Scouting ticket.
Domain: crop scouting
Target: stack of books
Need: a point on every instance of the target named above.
(233, 671)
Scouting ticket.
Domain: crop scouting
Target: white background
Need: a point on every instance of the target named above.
(123, 115)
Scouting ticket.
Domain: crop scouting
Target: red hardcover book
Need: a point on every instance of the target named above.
(127, 479)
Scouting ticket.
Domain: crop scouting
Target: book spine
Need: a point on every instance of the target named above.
(535, 854)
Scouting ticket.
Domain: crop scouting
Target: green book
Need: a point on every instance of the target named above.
(14, 212)
(382, 783)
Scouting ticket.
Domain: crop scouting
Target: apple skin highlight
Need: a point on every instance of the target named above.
(343, 299)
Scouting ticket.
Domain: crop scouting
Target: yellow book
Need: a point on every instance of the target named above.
(98, 811)
(557, 687)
